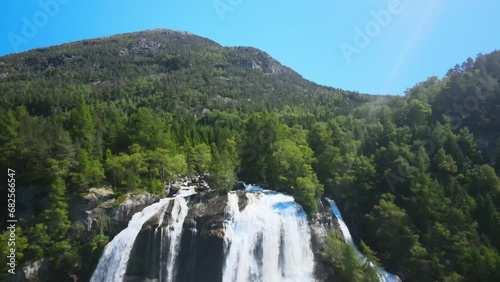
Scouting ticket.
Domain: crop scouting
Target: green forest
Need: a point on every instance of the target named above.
(416, 176)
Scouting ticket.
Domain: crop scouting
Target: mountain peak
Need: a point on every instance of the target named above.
(157, 43)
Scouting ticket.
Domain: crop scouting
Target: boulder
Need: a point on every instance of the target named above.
(32, 271)
(132, 205)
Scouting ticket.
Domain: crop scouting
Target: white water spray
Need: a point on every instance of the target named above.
(171, 235)
(112, 265)
(232, 211)
(113, 262)
(269, 240)
(384, 275)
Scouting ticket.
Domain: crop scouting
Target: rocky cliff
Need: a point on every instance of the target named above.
(201, 246)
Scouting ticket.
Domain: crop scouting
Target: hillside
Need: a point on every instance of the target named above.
(163, 69)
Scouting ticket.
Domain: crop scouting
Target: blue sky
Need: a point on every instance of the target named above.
(378, 47)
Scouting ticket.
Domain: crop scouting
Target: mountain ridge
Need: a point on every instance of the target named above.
(266, 63)
(175, 62)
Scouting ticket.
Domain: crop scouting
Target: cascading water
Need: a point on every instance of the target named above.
(232, 211)
(269, 240)
(384, 275)
(170, 236)
(112, 265)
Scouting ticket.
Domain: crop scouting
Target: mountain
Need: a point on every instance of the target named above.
(93, 132)
(188, 72)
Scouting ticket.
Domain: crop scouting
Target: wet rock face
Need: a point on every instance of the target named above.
(201, 246)
(321, 224)
(201, 252)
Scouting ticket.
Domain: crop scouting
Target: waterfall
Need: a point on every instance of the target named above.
(113, 262)
(384, 275)
(171, 235)
(112, 265)
(232, 211)
(269, 240)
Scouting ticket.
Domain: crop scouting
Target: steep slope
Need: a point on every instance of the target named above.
(164, 69)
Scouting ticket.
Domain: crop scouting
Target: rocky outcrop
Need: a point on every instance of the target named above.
(202, 245)
(197, 183)
(32, 271)
(142, 46)
(132, 205)
(321, 224)
(256, 59)
(93, 209)
(99, 212)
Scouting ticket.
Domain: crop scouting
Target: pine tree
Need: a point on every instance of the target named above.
(81, 126)
(9, 138)
(189, 151)
(55, 215)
